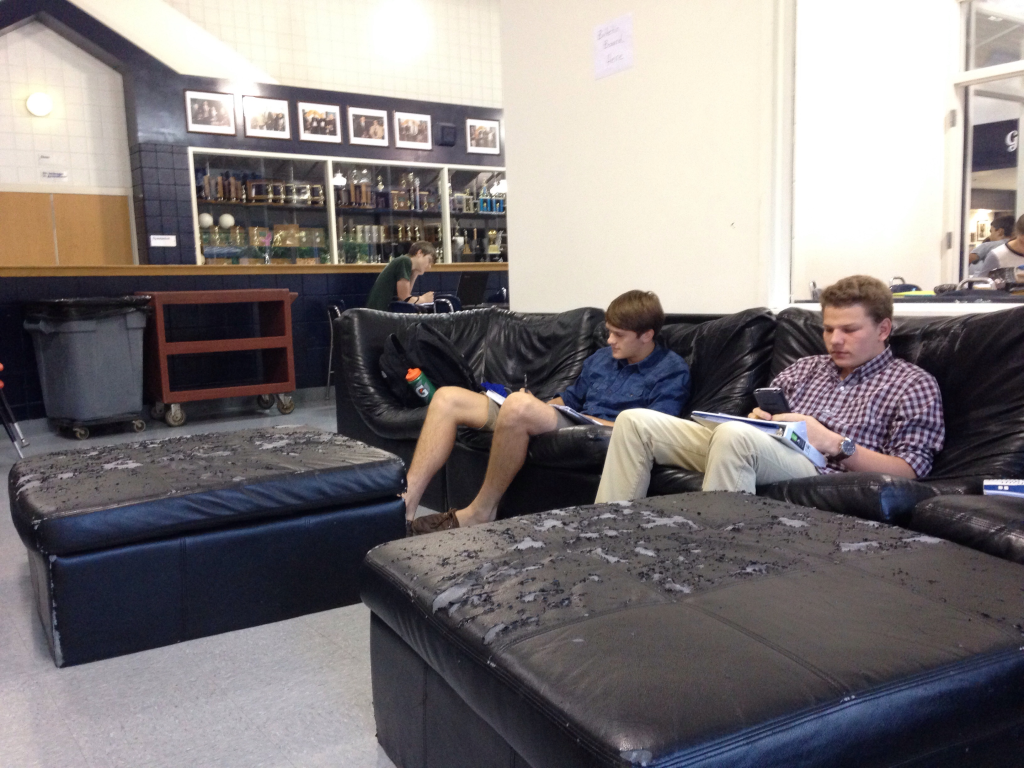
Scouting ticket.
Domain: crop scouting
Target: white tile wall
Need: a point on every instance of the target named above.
(436, 50)
(86, 131)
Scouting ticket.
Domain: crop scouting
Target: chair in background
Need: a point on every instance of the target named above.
(333, 313)
(10, 424)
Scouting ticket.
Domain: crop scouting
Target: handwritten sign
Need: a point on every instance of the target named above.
(613, 46)
(52, 167)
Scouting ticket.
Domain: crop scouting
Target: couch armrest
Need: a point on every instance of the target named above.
(868, 495)
(359, 341)
(992, 524)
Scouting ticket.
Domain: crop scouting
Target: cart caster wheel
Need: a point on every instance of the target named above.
(285, 404)
(139, 425)
(157, 410)
(264, 402)
(80, 432)
(175, 416)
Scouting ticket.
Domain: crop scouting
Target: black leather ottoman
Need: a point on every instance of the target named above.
(993, 524)
(694, 630)
(142, 545)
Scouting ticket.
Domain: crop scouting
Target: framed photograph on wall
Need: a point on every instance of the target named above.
(319, 122)
(210, 112)
(265, 118)
(368, 126)
(482, 137)
(412, 131)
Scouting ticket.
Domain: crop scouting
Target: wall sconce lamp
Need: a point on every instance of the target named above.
(39, 104)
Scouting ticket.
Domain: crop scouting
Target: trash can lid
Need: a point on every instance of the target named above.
(87, 308)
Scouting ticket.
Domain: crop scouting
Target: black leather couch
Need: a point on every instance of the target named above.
(977, 360)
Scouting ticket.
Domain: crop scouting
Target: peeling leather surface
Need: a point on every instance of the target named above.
(240, 474)
(676, 630)
(499, 583)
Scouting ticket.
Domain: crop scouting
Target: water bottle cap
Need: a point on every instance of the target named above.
(412, 374)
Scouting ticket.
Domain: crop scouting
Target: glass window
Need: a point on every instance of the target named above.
(994, 184)
(383, 209)
(261, 210)
(996, 33)
(478, 206)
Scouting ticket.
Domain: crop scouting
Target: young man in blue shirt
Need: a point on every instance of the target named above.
(633, 371)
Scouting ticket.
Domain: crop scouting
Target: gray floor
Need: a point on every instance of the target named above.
(295, 693)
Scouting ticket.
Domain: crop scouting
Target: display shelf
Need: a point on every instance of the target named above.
(357, 221)
(271, 206)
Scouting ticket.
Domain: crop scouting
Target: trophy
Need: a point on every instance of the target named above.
(257, 191)
(316, 194)
(493, 242)
(298, 193)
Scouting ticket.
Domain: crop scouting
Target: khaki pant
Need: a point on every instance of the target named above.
(733, 456)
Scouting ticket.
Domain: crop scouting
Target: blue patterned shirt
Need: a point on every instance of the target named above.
(606, 386)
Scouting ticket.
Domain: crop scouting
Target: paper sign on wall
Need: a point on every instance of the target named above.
(52, 167)
(163, 241)
(613, 46)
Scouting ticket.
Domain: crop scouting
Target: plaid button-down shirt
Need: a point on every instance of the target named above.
(887, 405)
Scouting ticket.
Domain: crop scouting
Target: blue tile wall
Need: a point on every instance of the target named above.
(310, 329)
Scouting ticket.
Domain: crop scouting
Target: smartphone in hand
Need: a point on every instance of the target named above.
(771, 400)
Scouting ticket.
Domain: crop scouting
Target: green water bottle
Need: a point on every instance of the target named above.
(420, 384)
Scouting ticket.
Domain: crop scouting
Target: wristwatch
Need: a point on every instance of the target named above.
(846, 449)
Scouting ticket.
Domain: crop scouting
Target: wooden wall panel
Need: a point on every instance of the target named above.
(26, 230)
(93, 230)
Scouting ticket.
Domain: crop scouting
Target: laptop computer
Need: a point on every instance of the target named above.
(472, 288)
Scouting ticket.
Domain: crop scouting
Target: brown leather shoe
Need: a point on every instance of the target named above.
(442, 521)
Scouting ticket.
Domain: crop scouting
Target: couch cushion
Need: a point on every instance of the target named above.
(579, 447)
(992, 524)
(547, 349)
(97, 498)
(712, 629)
(728, 358)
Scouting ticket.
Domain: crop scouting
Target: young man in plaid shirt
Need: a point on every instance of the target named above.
(866, 411)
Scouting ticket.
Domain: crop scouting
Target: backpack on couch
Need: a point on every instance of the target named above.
(394, 363)
(423, 346)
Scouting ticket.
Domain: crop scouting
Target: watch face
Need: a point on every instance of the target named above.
(847, 447)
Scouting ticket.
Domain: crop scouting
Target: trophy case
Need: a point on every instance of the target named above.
(258, 209)
(281, 209)
(477, 203)
(382, 209)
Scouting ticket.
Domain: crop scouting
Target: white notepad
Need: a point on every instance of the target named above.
(791, 433)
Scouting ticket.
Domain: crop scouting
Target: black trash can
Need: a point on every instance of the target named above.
(89, 356)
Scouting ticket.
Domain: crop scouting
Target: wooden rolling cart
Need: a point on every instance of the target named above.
(273, 342)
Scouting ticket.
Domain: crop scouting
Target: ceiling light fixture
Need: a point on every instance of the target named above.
(39, 104)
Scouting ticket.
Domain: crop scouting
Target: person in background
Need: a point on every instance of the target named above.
(1009, 254)
(398, 278)
(999, 233)
(633, 371)
(865, 410)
